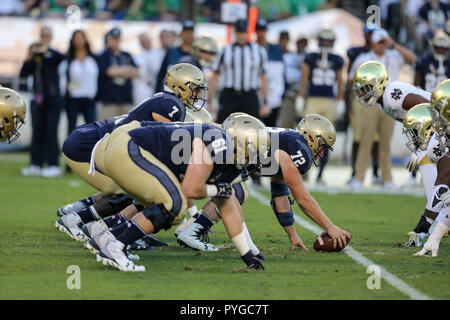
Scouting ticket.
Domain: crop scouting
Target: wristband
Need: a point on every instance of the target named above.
(211, 190)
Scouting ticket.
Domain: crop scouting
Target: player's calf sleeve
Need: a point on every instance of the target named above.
(204, 221)
(131, 233)
(252, 245)
(434, 205)
(89, 214)
(118, 228)
(429, 173)
(115, 219)
(89, 201)
(446, 217)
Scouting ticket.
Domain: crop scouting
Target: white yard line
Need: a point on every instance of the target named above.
(393, 280)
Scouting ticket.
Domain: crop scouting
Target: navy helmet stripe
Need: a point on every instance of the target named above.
(158, 173)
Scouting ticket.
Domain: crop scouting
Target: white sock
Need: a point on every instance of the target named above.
(253, 247)
(241, 243)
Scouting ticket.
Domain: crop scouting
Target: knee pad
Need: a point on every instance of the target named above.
(279, 189)
(440, 192)
(285, 219)
(159, 216)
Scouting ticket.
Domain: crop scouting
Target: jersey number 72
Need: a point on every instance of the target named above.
(298, 158)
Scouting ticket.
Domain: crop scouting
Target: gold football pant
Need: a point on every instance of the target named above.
(375, 121)
(141, 175)
(99, 181)
(325, 107)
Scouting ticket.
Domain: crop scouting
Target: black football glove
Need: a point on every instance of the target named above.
(224, 190)
(252, 261)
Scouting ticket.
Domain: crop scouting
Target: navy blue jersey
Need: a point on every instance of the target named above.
(354, 52)
(431, 75)
(171, 143)
(114, 90)
(293, 143)
(322, 77)
(165, 104)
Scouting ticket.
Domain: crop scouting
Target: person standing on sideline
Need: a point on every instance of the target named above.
(42, 64)
(292, 75)
(82, 79)
(117, 69)
(322, 83)
(374, 121)
(182, 53)
(243, 66)
(354, 109)
(275, 67)
(144, 84)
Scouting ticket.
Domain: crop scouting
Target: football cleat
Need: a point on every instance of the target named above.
(151, 241)
(99, 241)
(415, 239)
(140, 245)
(113, 254)
(94, 228)
(191, 238)
(69, 208)
(71, 225)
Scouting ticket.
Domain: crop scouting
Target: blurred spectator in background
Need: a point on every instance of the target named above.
(117, 69)
(292, 75)
(433, 16)
(182, 53)
(10, 7)
(204, 50)
(243, 66)
(374, 121)
(275, 68)
(434, 65)
(42, 64)
(274, 10)
(410, 12)
(322, 83)
(144, 84)
(333, 4)
(82, 78)
(211, 10)
(354, 109)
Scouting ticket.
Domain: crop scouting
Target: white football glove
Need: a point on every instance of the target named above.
(433, 241)
(415, 159)
(299, 105)
(340, 108)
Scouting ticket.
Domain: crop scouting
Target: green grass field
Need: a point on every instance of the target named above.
(35, 255)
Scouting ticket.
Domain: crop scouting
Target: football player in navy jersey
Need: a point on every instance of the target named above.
(321, 76)
(161, 165)
(434, 66)
(291, 154)
(184, 87)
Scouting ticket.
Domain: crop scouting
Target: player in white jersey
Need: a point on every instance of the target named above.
(371, 86)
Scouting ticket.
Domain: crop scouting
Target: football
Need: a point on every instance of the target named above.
(326, 243)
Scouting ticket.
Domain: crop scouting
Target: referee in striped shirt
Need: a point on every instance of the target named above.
(243, 66)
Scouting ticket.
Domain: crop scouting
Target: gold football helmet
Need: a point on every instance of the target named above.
(188, 83)
(250, 138)
(12, 114)
(440, 112)
(201, 116)
(326, 34)
(318, 132)
(204, 45)
(440, 41)
(417, 127)
(369, 83)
